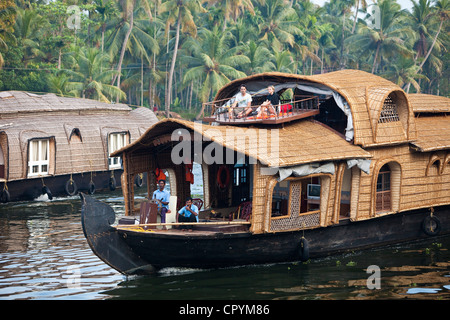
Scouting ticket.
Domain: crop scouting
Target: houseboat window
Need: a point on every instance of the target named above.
(383, 196)
(389, 112)
(38, 155)
(310, 194)
(241, 186)
(280, 197)
(116, 141)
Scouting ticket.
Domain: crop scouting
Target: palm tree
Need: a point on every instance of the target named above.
(387, 41)
(364, 6)
(124, 28)
(90, 78)
(279, 24)
(7, 21)
(261, 59)
(232, 9)
(106, 10)
(443, 10)
(403, 71)
(213, 61)
(422, 19)
(284, 62)
(181, 12)
(27, 30)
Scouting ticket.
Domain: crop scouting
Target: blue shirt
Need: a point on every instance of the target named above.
(187, 213)
(163, 196)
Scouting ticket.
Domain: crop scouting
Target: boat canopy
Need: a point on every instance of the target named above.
(377, 111)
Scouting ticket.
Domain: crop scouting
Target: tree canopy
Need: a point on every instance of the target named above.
(175, 55)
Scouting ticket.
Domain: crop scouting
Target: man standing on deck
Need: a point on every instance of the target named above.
(163, 196)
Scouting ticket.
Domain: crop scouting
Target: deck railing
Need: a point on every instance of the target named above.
(217, 109)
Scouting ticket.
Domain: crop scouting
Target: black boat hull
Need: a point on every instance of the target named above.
(151, 251)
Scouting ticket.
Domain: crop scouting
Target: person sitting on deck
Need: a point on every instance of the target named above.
(268, 106)
(189, 213)
(163, 196)
(240, 101)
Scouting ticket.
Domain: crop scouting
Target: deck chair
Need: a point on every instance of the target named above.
(198, 202)
(148, 213)
(244, 210)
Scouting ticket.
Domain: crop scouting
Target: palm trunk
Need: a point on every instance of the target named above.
(122, 52)
(432, 45)
(428, 53)
(321, 63)
(376, 57)
(356, 17)
(172, 66)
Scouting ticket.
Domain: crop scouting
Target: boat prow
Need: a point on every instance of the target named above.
(104, 240)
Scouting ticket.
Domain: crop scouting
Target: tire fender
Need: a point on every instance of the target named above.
(71, 187)
(303, 250)
(46, 190)
(431, 225)
(91, 188)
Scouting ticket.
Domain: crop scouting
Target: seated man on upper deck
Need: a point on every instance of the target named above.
(240, 101)
(189, 213)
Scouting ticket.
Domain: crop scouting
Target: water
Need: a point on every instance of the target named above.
(44, 255)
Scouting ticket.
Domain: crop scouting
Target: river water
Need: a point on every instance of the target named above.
(44, 255)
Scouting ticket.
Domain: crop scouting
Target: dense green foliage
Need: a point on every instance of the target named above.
(176, 54)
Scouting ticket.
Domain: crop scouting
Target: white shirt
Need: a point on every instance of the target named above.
(242, 100)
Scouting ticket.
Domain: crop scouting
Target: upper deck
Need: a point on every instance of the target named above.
(301, 106)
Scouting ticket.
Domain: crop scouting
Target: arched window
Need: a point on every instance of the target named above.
(383, 192)
(75, 135)
(389, 112)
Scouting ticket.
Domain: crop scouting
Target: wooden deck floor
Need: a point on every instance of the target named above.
(223, 118)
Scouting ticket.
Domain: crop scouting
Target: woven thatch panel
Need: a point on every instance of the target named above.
(412, 186)
(350, 84)
(433, 133)
(79, 138)
(25, 102)
(297, 143)
(429, 103)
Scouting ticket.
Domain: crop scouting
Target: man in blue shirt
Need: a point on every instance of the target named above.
(189, 213)
(163, 196)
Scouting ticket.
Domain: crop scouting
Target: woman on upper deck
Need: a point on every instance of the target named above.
(269, 105)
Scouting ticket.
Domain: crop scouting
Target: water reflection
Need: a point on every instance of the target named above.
(44, 255)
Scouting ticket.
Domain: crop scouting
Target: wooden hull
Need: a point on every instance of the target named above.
(155, 250)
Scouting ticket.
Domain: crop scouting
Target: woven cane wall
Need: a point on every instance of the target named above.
(72, 155)
(418, 180)
(262, 204)
(295, 220)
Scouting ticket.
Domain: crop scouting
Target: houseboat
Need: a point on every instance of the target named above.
(348, 161)
(58, 146)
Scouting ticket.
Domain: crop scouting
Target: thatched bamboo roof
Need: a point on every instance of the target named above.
(433, 133)
(364, 92)
(429, 103)
(12, 102)
(300, 142)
